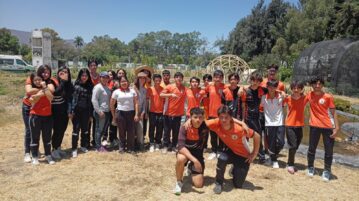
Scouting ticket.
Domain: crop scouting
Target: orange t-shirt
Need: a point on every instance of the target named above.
(110, 85)
(280, 87)
(194, 97)
(235, 138)
(320, 106)
(295, 114)
(26, 100)
(157, 102)
(175, 105)
(41, 107)
(215, 94)
(95, 81)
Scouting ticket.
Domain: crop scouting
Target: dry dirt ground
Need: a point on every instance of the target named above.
(151, 176)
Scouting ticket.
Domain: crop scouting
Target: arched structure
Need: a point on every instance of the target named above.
(335, 60)
(229, 64)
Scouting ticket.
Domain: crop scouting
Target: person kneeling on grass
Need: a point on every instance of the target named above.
(190, 149)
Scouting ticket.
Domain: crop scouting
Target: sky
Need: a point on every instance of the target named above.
(125, 19)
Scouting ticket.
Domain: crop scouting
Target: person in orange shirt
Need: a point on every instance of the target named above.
(238, 153)
(166, 76)
(113, 77)
(190, 150)
(294, 121)
(40, 119)
(323, 121)
(194, 95)
(216, 99)
(95, 78)
(207, 78)
(156, 113)
(176, 94)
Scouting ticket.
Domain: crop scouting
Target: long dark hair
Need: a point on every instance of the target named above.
(88, 83)
(32, 77)
(61, 69)
(114, 75)
(41, 70)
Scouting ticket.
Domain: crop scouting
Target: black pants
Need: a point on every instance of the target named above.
(80, 121)
(314, 136)
(275, 137)
(126, 129)
(156, 123)
(240, 168)
(40, 125)
(294, 138)
(111, 132)
(27, 136)
(255, 125)
(144, 123)
(216, 142)
(60, 119)
(171, 124)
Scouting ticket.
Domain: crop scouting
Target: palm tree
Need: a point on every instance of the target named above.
(79, 41)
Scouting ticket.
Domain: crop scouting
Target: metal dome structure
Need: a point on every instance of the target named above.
(335, 60)
(230, 64)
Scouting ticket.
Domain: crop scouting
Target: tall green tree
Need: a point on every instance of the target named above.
(79, 41)
(9, 44)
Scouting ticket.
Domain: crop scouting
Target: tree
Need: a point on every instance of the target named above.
(281, 49)
(79, 42)
(9, 44)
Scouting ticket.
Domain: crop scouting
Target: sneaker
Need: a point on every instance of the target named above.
(50, 160)
(212, 156)
(74, 153)
(310, 171)
(157, 147)
(262, 159)
(164, 150)
(121, 150)
(35, 161)
(84, 149)
(291, 169)
(104, 143)
(102, 149)
(152, 148)
(326, 175)
(27, 158)
(275, 165)
(56, 154)
(217, 188)
(115, 143)
(178, 188)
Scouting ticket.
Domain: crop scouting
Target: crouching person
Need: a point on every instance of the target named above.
(234, 136)
(190, 149)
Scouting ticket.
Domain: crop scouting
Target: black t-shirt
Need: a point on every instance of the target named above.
(192, 138)
(252, 99)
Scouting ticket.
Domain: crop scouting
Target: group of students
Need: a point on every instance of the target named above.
(228, 114)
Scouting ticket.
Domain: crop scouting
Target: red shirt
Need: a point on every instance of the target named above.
(175, 105)
(156, 102)
(235, 138)
(194, 97)
(95, 81)
(41, 107)
(295, 114)
(320, 105)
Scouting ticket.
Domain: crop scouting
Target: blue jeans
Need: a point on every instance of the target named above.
(27, 136)
(101, 127)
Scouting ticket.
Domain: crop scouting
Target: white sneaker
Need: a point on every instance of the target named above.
(212, 156)
(178, 188)
(84, 149)
(50, 160)
(56, 154)
(104, 143)
(157, 147)
(164, 150)
(74, 153)
(152, 148)
(217, 188)
(27, 158)
(35, 161)
(275, 165)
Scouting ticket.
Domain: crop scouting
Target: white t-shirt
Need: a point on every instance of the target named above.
(273, 110)
(124, 99)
